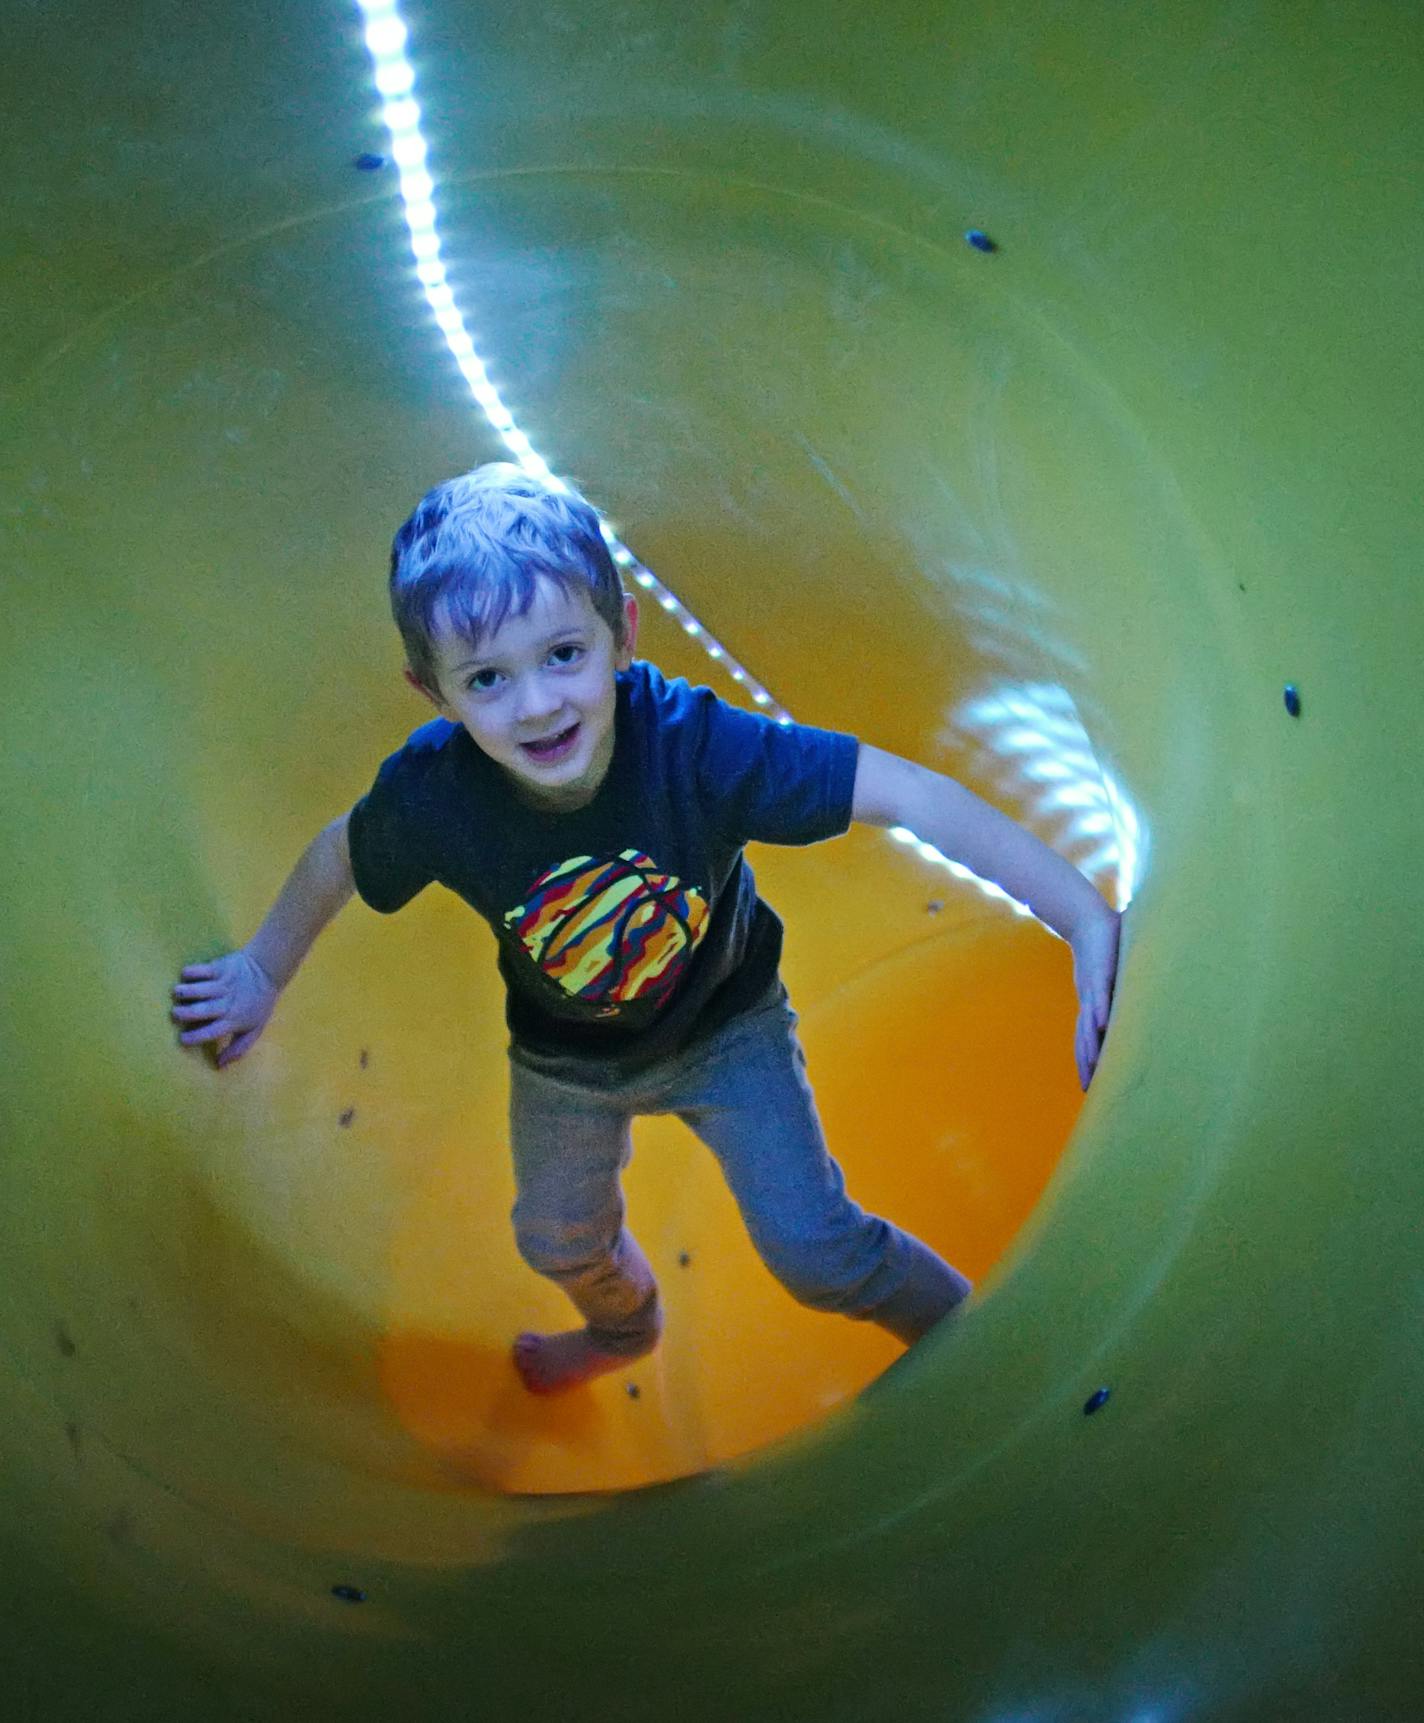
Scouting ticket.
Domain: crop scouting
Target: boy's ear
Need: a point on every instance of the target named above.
(420, 687)
(624, 658)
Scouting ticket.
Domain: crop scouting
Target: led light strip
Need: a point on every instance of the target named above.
(386, 38)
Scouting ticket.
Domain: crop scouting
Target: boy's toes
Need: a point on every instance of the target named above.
(528, 1363)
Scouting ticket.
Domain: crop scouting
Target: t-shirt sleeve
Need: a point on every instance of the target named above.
(774, 783)
(389, 857)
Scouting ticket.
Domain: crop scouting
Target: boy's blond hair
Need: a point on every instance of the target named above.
(474, 548)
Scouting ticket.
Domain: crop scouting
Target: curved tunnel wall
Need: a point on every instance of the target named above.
(1153, 454)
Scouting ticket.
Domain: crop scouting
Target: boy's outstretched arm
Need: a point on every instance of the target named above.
(232, 997)
(890, 791)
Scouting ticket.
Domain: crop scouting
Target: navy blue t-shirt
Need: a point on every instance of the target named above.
(631, 927)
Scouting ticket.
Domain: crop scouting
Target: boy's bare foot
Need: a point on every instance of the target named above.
(550, 1363)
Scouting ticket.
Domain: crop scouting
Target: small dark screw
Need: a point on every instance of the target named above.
(368, 162)
(934, 906)
(365, 1057)
(633, 1390)
(683, 1260)
(347, 1116)
(980, 240)
(348, 1594)
(1292, 699)
(1096, 1401)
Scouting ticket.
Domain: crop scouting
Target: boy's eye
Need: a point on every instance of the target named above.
(483, 680)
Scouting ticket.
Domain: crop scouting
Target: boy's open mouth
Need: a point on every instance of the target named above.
(553, 747)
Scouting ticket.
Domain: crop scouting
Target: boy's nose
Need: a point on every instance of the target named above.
(536, 704)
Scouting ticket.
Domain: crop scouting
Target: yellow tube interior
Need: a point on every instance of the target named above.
(1099, 494)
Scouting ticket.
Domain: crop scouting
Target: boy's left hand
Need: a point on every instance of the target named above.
(1095, 947)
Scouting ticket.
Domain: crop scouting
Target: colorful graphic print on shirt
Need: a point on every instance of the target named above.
(611, 929)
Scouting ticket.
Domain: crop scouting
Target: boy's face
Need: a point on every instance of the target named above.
(541, 678)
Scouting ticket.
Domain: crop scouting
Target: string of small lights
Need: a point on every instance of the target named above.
(387, 39)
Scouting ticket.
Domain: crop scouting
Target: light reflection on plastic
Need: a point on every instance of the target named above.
(1037, 735)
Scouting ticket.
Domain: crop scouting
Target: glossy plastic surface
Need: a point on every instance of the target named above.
(1147, 461)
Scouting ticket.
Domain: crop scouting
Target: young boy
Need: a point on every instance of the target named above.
(595, 814)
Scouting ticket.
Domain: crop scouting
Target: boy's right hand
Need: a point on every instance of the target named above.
(231, 996)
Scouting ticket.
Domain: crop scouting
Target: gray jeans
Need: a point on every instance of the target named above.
(744, 1092)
